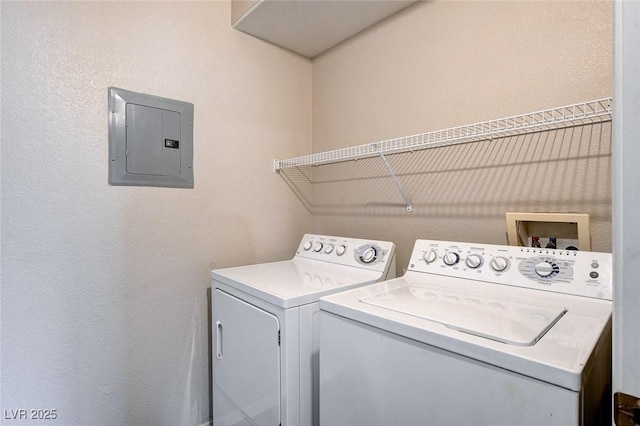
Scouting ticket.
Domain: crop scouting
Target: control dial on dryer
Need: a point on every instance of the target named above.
(318, 247)
(368, 255)
(341, 249)
(451, 258)
(307, 245)
(474, 261)
(499, 263)
(430, 256)
(328, 249)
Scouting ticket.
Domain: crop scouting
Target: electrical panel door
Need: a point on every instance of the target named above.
(153, 137)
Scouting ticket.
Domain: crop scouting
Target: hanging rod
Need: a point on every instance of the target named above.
(599, 110)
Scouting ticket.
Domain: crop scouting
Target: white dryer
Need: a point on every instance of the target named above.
(472, 334)
(265, 319)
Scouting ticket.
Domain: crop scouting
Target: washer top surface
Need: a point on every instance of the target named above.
(510, 318)
(503, 319)
(322, 265)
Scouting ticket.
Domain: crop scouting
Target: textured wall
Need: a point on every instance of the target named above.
(442, 64)
(104, 314)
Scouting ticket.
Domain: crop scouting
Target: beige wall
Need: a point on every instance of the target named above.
(239, 8)
(441, 64)
(104, 289)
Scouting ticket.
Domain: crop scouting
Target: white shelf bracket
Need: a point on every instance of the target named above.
(396, 182)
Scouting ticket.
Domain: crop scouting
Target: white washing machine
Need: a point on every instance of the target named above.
(472, 334)
(265, 319)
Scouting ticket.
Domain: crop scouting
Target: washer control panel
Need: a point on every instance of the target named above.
(574, 272)
(370, 254)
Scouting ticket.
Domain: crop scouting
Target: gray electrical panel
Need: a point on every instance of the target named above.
(150, 140)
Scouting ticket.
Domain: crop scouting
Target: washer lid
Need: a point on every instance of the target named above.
(506, 320)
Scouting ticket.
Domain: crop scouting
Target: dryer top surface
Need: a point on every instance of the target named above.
(294, 282)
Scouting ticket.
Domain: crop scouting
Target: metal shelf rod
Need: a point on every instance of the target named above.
(397, 183)
(598, 110)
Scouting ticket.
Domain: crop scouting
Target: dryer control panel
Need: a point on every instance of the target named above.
(580, 273)
(369, 254)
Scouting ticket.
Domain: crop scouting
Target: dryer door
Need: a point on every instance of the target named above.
(246, 363)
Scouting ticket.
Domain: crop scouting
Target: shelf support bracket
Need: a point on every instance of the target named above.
(396, 182)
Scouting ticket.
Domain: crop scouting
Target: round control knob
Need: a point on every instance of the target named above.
(317, 248)
(499, 263)
(430, 256)
(307, 245)
(369, 255)
(474, 261)
(544, 269)
(451, 258)
(328, 249)
(341, 249)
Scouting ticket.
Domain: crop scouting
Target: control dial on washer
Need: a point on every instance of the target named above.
(545, 268)
(430, 256)
(307, 245)
(451, 258)
(341, 249)
(474, 261)
(499, 263)
(317, 248)
(328, 249)
(368, 255)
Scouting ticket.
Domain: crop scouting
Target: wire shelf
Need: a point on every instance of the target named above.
(599, 110)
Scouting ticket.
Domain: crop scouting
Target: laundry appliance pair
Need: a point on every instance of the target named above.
(471, 334)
